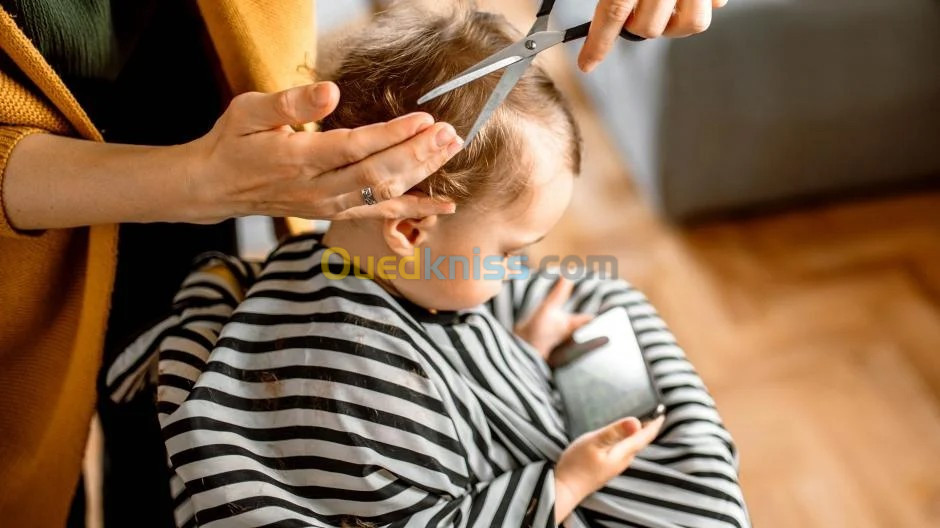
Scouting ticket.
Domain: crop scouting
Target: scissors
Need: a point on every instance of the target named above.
(516, 59)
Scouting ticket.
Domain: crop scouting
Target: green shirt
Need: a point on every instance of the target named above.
(87, 39)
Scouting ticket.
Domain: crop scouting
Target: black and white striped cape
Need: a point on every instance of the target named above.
(322, 402)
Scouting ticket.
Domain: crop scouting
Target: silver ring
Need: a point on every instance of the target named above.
(367, 197)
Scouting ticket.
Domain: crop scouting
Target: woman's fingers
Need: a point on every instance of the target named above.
(391, 172)
(337, 148)
(406, 206)
(609, 18)
(650, 18)
(645, 18)
(691, 17)
(258, 164)
(256, 112)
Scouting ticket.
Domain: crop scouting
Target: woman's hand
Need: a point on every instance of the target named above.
(254, 162)
(550, 324)
(594, 458)
(645, 18)
(251, 162)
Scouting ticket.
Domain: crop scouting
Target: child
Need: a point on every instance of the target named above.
(297, 394)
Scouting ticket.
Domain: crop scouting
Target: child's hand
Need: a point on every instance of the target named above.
(592, 459)
(550, 324)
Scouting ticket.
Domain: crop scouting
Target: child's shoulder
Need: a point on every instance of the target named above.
(305, 290)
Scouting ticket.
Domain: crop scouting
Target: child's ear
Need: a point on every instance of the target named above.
(405, 234)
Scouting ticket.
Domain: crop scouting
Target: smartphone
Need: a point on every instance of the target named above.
(610, 382)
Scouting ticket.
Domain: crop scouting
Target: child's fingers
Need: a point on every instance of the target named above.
(578, 320)
(575, 351)
(632, 445)
(613, 434)
(559, 294)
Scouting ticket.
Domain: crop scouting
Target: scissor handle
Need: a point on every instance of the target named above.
(546, 8)
(579, 32)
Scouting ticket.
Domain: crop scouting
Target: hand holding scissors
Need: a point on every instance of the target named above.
(516, 58)
(645, 18)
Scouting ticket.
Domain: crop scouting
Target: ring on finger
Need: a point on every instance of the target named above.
(368, 197)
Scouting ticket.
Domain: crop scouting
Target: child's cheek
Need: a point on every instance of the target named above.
(473, 292)
(489, 288)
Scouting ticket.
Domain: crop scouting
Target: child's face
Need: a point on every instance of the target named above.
(489, 236)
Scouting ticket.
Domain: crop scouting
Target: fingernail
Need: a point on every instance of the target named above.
(321, 93)
(589, 66)
(445, 136)
(449, 208)
(425, 118)
(631, 425)
(424, 125)
(455, 146)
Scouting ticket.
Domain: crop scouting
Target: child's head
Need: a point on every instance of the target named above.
(513, 181)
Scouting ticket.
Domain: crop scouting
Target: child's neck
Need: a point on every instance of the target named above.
(361, 244)
(352, 239)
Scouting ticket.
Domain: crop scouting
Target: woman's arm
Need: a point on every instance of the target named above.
(251, 162)
(54, 181)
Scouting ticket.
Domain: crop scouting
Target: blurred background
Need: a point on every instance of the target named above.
(772, 186)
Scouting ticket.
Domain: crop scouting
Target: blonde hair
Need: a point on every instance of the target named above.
(407, 52)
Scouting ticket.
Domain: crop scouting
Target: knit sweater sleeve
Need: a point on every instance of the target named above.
(9, 137)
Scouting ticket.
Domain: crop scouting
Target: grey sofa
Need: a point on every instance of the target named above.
(779, 100)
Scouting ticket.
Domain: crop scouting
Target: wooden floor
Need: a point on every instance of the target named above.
(817, 331)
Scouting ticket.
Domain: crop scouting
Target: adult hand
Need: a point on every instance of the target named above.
(594, 458)
(645, 18)
(253, 161)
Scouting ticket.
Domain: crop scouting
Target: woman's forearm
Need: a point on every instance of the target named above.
(57, 182)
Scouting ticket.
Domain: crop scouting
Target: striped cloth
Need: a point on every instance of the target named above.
(310, 401)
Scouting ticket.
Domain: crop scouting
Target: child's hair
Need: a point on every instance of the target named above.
(406, 52)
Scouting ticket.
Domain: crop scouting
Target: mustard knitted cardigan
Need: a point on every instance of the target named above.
(55, 286)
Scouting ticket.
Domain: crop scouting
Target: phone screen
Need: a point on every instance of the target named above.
(608, 383)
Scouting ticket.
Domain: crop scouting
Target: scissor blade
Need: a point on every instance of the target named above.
(510, 55)
(481, 69)
(506, 83)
